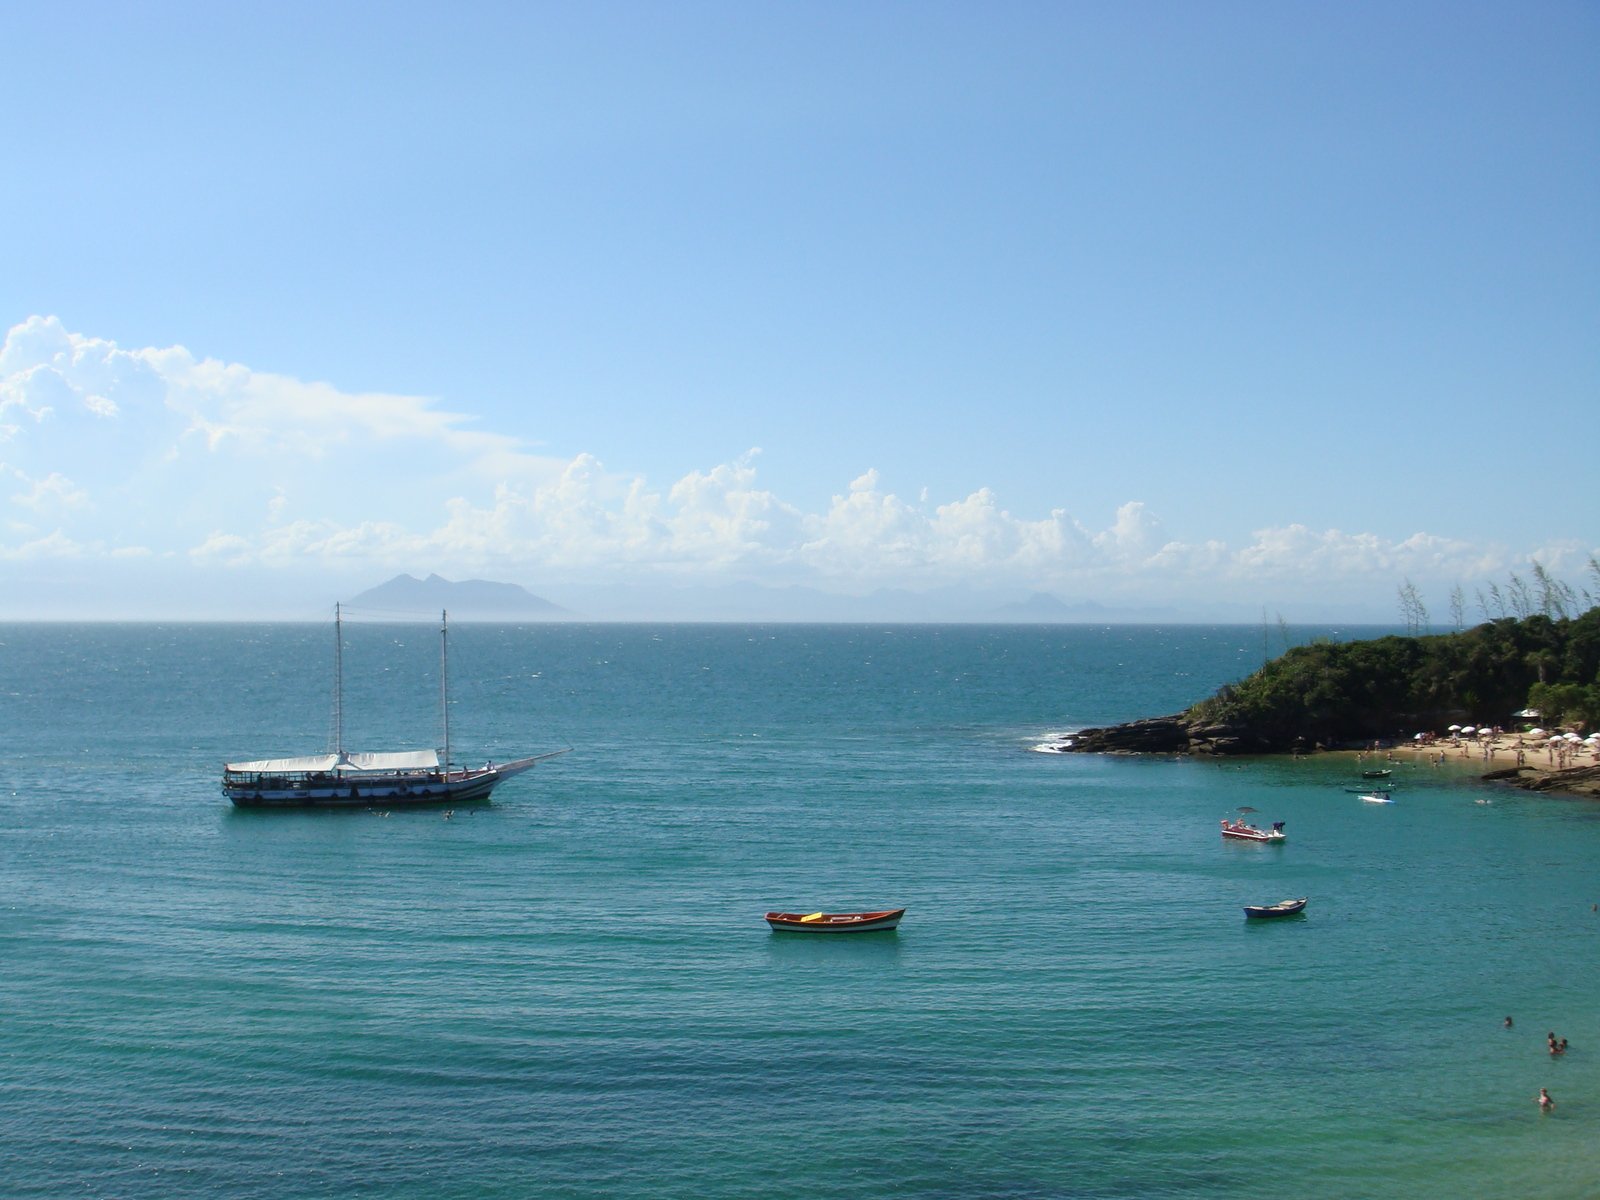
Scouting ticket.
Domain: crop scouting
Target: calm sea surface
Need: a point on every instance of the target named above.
(571, 993)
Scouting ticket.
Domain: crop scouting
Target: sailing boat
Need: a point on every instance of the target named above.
(343, 778)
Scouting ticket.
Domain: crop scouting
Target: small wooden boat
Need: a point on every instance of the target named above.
(1376, 797)
(1249, 833)
(822, 922)
(1376, 774)
(1283, 908)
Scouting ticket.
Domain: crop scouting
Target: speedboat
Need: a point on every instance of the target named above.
(1240, 831)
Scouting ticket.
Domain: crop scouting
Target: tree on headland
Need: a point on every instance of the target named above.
(1458, 608)
(1344, 693)
(1521, 596)
(1556, 596)
(1495, 605)
(1412, 609)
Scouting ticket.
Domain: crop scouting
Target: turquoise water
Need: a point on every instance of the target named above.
(571, 992)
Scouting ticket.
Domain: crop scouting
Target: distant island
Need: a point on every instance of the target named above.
(1351, 695)
(467, 600)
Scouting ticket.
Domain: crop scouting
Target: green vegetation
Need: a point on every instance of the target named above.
(1337, 693)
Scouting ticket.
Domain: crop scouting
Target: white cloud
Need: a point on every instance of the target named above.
(154, 452)
(52, 545)
(53, 493)
(227, 548)
(1135, 536)
(721, 518)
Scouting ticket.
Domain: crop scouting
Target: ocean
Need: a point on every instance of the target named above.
(570, 992)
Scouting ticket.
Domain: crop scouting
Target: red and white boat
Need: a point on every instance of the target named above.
(1244, 832)
(822, 922)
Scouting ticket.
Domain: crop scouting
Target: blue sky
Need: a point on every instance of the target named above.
(1158, 305)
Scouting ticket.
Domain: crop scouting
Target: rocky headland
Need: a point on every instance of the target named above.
(1182, 734)
(1403, 693)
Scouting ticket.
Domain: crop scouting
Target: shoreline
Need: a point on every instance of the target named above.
(1540, 765)
(1499, 750)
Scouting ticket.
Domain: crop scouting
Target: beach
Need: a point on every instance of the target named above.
(1545, 763)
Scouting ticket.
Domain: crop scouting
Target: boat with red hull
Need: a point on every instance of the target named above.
(1240, 831)
(823, 922)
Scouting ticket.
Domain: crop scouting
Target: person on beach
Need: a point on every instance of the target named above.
(1545, 1103)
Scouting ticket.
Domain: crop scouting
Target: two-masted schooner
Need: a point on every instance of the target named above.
(343, 778)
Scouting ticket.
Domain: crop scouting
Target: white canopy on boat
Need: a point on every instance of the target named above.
(398, 760)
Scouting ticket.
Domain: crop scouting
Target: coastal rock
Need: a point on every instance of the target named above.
(1178, 734)
(1581, 781)
(1153, 735)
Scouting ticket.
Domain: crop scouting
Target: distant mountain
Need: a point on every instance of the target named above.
(468, 600)
(1042, 606)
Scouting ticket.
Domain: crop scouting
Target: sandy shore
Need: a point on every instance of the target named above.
(1495, 752)
(1534, 764)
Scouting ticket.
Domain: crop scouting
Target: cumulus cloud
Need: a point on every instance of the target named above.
(53, 493)
(154, 452)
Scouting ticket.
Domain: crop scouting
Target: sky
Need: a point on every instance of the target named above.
(1170, 308)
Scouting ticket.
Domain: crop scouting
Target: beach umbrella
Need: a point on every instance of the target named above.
(1537, 733)
(1454, 728)
(1469, 729)
(1572, 737)
(1419, 737)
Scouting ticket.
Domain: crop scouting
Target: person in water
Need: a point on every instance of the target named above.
(1508, 1022)
(1545, 1103)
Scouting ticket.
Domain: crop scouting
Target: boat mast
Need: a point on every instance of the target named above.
(338, 681)
(444, 683)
